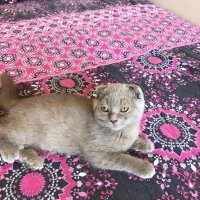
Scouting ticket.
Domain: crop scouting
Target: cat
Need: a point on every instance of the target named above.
(100, 130)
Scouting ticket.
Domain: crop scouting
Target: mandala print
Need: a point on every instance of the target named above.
(173, 134)
(156, 60)
(68, 83)
(51, 182)
(35, 179)
(170, 81)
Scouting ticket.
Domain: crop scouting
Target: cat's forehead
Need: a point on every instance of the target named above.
(117, 98)
(117, 93)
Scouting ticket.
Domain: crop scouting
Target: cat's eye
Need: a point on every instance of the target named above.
(124, 109)
(104, 109)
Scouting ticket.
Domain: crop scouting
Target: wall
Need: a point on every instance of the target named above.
(187, 9)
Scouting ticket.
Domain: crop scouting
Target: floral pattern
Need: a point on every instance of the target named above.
(93, 38)
(27, 9)
(171, 121)
(8, 58)
(69, 83)
(25, 183)
(155, 60)
(73, 52)
(171, 132)
(27, 48)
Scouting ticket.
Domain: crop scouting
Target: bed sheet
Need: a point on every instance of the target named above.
(72, 51)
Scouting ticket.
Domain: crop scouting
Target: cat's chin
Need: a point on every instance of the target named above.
(115, 127)
(112, 127)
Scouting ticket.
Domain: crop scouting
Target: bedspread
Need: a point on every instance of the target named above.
(66, 46)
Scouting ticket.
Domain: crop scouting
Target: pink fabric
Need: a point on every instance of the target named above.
(32, 184)
(111, 35)
(173, 132)
(62, 21)
(170, 131)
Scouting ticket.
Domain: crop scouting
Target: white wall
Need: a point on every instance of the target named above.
(187, 9)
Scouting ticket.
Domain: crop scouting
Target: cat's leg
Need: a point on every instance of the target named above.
(143, 145)
(9, 152)
(31, 157)
(121, 162)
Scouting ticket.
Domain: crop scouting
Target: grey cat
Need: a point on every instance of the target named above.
(99, 130)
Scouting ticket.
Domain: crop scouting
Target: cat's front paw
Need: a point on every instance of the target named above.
(148, 147)
(35, 163)
(32, 159)
(146, 170)
(143, 145)
(9, 153)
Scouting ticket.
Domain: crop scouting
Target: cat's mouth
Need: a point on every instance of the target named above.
(115, 126)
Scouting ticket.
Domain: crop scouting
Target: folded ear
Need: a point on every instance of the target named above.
(98, 90)
(137, 90)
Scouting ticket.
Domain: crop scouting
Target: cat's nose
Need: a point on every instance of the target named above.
(113, 121)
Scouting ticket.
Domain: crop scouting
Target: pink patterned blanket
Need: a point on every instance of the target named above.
(64, 43)
(138, 43)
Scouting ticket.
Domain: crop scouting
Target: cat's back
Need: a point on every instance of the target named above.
(51, 106)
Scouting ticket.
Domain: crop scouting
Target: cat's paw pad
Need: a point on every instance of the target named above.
(149, 147)
(146, 171)
(10, 154)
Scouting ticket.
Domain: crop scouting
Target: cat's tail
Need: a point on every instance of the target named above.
(8, 91)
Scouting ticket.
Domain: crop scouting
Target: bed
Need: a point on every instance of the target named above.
(71, 46)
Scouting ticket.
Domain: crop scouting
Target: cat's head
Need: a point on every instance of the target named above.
(117, 105)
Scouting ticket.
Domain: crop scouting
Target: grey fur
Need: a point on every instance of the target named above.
(76, 125)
